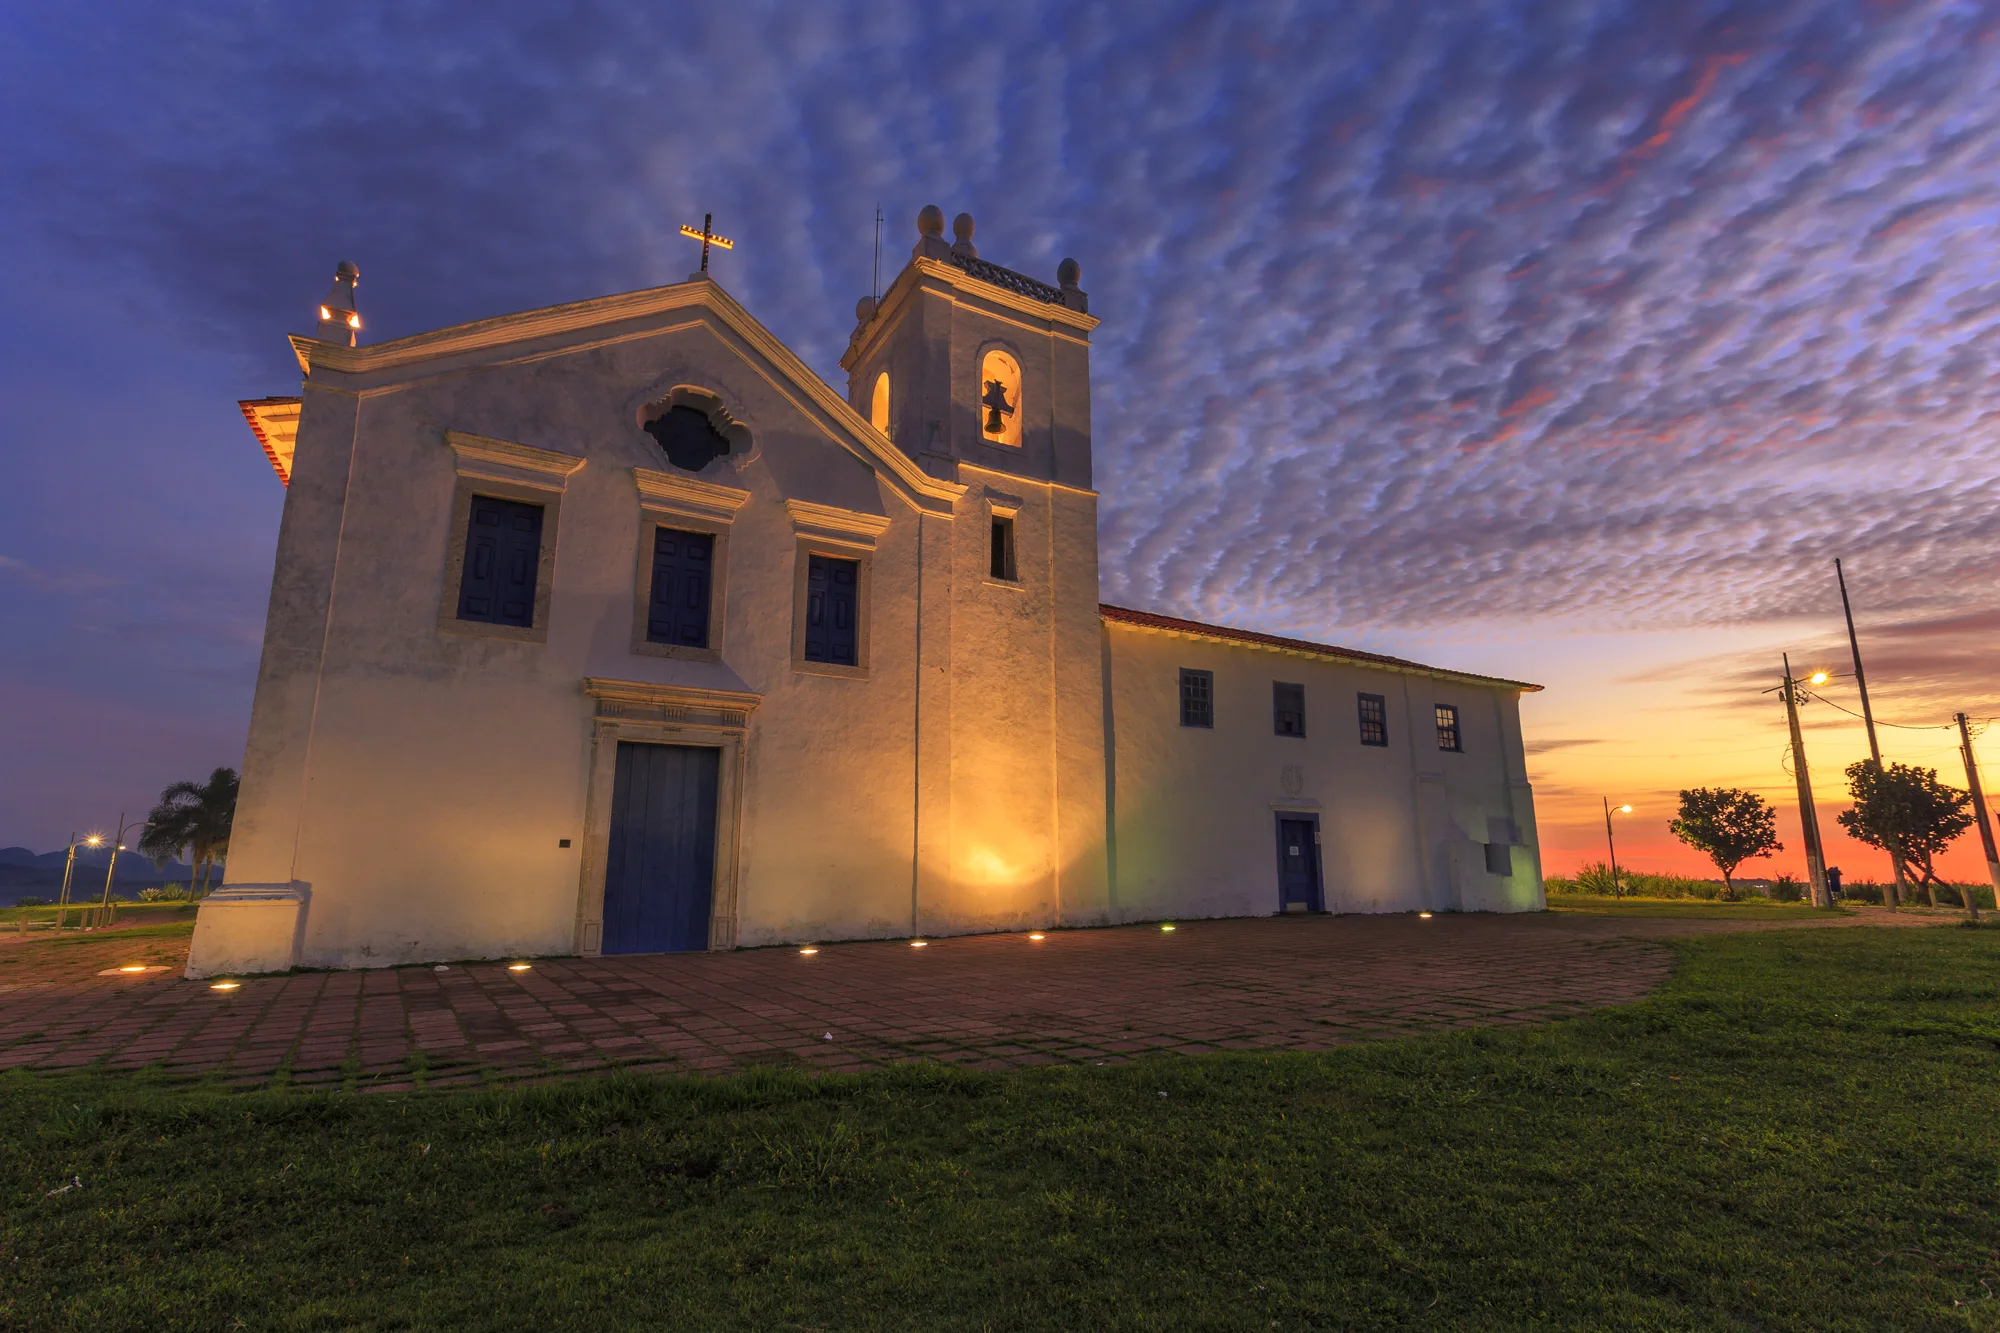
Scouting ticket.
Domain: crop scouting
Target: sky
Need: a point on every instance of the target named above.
(1567, 341)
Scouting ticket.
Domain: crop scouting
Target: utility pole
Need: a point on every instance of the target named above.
(1901, 889)
(1808, 813)
(1979, 813)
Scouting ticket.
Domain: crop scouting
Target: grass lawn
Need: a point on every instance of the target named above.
(1797, 1133)
(1748, 909)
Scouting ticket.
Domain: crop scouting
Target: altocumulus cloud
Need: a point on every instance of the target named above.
(1414, 314)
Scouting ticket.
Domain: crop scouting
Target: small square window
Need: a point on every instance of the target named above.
(1447, 719)
(503, 557)
(1499, 859)
(1288, 709)
(1197, 698)
(1002, 564)
(1374, 719)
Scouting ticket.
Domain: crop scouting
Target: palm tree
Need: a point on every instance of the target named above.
(194, 817)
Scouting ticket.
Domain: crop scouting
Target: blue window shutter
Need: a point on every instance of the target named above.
(832, 610)
(503, 554)
(678, 611)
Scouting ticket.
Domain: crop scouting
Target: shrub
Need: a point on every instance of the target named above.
(31, 901)
(1860, 891)
(1785, 889)
(165, 893)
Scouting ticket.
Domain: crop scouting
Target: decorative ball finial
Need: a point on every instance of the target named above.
(864, 310)
(930, 222)
(961, 227)
(1069, 273)
(339, 317)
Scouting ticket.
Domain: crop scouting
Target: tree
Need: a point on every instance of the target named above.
(1729, 826)
(1906, 812)
(195, 818)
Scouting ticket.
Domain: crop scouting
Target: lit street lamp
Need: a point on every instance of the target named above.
(117, 846)
(69, 865)
(1610, 843)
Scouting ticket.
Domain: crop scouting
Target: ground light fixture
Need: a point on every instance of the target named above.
(1036, 935)
(133, 967)
(1423, 916)
(520, 967)
(1167, 926)
(224, 985)
(810, 950)
(920, 944)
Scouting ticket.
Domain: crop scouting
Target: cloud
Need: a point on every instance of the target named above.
(1415, 317)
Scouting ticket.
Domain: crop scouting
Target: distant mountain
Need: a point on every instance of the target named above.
(39, 875)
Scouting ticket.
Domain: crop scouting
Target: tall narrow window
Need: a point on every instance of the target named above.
(677, 612)
(999, 398)
(503, 556)
(1288, 709)
(1374, 719)
(1197, 698)
(1002, 566)
(1447, 717)
(832, 609)
(878, 404)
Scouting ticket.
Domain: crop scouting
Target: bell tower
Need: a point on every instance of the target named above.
(963, 361)
(982, 376)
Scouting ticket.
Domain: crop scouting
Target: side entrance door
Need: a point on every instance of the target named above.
(1298, 866)
(659, 874)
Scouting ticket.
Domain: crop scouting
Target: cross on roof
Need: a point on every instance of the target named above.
(707, 237)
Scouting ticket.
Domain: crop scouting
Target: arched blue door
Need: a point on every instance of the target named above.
(659, 874)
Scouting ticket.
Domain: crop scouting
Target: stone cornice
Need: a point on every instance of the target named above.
(502, 331)
(847, 526)
(484, 449)
(645, 694)
(686, 495)
(1174, 627)
(1039, 314)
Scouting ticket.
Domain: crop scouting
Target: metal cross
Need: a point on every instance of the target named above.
(707, 237)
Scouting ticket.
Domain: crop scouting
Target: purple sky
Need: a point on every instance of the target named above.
(1451, 330)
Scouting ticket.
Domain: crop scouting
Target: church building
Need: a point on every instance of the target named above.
(612, 628)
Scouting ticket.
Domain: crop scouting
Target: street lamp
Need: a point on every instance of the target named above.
(1611, 844)
(69, 866)
(117, 846)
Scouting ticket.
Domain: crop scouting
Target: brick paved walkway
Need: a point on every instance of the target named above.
(994, 1001)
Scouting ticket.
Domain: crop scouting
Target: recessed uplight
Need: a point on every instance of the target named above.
(1423, 916)
(1036, 935)
(920, 944)
(133, 967)
(224, 985)
(809, 951)
(1167, 926)
(520, 967)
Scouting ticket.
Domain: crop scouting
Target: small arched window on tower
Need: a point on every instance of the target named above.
(1000, 398)
(878, 404)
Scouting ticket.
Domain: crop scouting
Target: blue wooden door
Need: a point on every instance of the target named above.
(659, 874)
(1298, 866)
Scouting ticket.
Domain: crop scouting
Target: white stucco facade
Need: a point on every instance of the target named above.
(1001, 753)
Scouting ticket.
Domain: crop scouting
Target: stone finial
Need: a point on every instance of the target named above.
(930, 234)
(1069, 274)
(961, 230)
(339, 318)
(864, 310)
